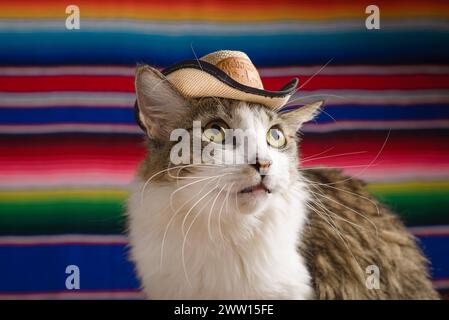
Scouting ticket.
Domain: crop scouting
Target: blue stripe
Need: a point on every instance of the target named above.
(116, 115)
(16, 116)
(437, 250)
(42, 268)
(384, 112)
(106, 267)
(355, 47)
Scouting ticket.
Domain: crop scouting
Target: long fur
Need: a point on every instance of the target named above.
(193, 235)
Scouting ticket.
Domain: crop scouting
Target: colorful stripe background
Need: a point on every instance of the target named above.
(69, 145)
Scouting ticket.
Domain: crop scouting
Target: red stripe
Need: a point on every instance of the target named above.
(66, 83)
(126, 83)
(68, 152)
(70, 149)
(256, 4)
(366, 82)
(402, 147)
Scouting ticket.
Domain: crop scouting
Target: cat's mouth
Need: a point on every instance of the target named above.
(260, 187)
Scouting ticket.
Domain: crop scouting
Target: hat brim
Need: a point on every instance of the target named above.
(196, 79)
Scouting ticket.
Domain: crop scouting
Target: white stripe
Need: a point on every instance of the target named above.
(441, 284)
(393, 175)
(310, 127)
(207, 28)
(54, 99)
(121, 99)
(100, 183)
(123, 240)
(71, 127)
(409, 174)
(371, 97)
(67, 238)
(68, 70)
(264, 72)
(354, 70)
(375, 125)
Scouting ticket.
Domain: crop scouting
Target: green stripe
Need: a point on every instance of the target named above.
(92, 213)
(418, 208)
(63, 216)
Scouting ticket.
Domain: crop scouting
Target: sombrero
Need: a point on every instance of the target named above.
(225, 74)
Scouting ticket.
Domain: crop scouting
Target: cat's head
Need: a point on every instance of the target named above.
(228, 151)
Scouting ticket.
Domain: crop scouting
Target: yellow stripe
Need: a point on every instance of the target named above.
(404, 187)
(121, 194)
(86, 194)
(208, 14)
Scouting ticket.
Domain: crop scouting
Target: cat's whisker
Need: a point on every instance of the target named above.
(191, 209)
(331, 214)
(351, 209)
(328, 220)
(218, 101)
(318, 154)
(340, 235)
(160, 172)
(334, 156)
(201, 165)
(293, 101)
(378, 153)
(196, 57)
(339, 167)
(346, 191)
(191, 177)
(210, 212)
(325, 218)
(314, 75)
(187, 233)
(221, 211)
(308, 80)
(174, 216)
(369, 165)
(236, 203)
(192, 183)
(198, 214)
(208, 179)
(329, 115)
(151, 178)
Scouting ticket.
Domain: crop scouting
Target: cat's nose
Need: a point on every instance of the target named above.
(261, 166)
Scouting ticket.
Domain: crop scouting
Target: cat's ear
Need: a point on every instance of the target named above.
(159, 105)
(296, 117)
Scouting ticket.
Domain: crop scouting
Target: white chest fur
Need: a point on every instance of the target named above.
(242, 257)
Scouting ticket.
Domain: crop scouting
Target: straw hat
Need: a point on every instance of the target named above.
(226, 74)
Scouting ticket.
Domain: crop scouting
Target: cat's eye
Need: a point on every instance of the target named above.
(215, 131)
(276, 138)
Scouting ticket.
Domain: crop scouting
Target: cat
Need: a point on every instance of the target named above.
(268, 229)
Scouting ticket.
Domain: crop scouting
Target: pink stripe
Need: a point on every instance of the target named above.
(122, 294)
(430, 231)
(109, 178)
(441, 283)
(265, 72)
(71, 127)
(375, 125)
(61, 180)
(63, 240)
(327, 127)
(86, 239)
